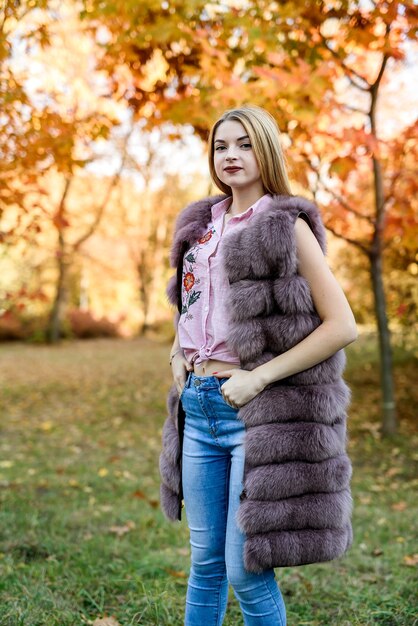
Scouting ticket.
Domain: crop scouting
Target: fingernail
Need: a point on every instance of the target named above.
(215, 372)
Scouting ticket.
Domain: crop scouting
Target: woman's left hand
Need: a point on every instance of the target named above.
(241, 387)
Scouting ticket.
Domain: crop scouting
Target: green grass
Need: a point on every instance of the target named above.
(81, 533)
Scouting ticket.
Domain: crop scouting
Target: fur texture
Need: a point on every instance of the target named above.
(295, 478)
(313, 510)
(296, 504)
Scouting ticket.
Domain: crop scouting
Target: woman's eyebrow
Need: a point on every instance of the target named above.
(239, 139)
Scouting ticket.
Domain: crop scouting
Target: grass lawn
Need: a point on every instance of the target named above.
(81, 533)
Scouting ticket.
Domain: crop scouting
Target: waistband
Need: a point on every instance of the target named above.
(204, 382)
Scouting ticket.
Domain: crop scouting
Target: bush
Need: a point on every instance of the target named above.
(11, 327)
(84, 325)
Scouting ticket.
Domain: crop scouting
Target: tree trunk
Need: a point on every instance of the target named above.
(55, 318)
(389, 420)
(142, 272)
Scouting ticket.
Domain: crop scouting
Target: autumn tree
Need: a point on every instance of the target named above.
(149, 224)
(317, 66)
(52, 123)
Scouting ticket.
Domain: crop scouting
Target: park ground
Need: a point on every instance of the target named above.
(82, 537)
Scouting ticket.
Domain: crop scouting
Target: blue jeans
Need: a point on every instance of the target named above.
(213, 465)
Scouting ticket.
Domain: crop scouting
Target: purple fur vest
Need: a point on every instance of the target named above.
(296, 504)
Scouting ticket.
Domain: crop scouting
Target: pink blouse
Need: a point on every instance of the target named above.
(202, 327)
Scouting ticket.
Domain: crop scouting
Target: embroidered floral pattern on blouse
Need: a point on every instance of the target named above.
(190, 295)
(188, 281)
(206, 237)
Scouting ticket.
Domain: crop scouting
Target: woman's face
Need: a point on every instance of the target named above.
(232, 148)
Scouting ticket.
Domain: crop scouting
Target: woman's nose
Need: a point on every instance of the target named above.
(230, 153)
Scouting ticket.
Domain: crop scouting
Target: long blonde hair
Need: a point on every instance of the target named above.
(264, 134)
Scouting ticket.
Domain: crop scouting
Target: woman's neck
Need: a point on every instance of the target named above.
(244, 198)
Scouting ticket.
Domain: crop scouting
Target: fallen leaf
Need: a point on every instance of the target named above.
(106, 621)
(392, 471)
(399, 506)
(377, 552)
(410, 560)
(141, 496)
(103, 472)
(176, 573)
(122, 530)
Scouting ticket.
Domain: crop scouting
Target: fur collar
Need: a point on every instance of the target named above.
(194, 218)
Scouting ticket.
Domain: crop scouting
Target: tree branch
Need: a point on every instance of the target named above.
(353, 242)
(346, 206)
(100, 211)
(355, 109)
(340, 199)
(350, 73)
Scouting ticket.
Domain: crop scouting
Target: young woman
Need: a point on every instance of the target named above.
(255, 439)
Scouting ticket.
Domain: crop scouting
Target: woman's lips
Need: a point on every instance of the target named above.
(232, 169)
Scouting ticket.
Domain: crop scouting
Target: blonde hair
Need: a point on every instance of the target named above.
(264, 134)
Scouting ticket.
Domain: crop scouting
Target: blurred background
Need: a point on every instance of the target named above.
(105, 109)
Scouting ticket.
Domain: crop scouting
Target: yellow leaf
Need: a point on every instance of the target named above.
(411, 560)
(46, 426)
(103, 471)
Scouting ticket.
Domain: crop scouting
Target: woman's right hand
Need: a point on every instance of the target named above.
(180, 367)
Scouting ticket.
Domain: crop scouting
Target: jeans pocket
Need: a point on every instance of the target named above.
(221, 382)
(184, 386)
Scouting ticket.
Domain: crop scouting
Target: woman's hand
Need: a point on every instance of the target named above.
(180, 366)
(241, 387)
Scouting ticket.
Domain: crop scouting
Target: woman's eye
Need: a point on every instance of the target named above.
(244, 145)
